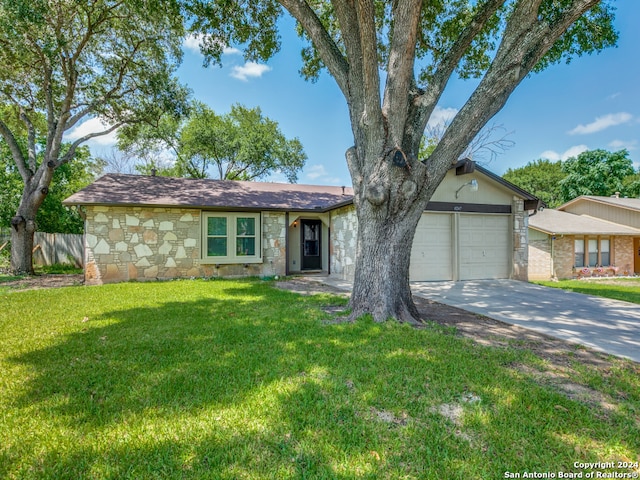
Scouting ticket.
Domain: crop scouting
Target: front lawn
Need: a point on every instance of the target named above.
(235, 379)
(627, 289)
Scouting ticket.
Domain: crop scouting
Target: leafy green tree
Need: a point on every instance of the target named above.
(598, 172)
(419, 46)
(63, 62)
(541, 178)
(241, 145)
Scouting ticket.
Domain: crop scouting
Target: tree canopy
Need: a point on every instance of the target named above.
(598, 172)
(240, 145)
(541, 178)
(63, 62)
(594, 172)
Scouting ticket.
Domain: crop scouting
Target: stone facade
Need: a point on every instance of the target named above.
(342, 252)
(143, 243)
(138, 243)
(520, 241)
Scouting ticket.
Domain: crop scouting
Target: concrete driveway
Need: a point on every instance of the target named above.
(607, 325)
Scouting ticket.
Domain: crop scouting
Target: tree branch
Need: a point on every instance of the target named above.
(31, 140)
(18, 157)
(406, 16)
(369, 58)
(72, 149)
(327, 48)
(426, 100)
(525, 42)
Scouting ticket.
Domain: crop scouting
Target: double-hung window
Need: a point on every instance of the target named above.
(231, 237)
(591, 252)
(579, 252)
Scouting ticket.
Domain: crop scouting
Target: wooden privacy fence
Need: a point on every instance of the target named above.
(56, 248)
(53, 248)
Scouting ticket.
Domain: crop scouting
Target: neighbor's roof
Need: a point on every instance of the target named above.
(555, 222)
(628, 203)
(138, 190)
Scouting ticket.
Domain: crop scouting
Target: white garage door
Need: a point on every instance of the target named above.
(484, 246)
(432, 248)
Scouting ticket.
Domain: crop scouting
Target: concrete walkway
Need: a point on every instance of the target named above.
(610, 326)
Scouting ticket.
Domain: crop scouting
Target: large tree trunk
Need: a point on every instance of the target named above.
(381, 284)
(23, 224)
(390, 195)
(22, 230)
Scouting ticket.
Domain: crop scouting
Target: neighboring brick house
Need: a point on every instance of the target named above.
(147, 227)
(589, 236)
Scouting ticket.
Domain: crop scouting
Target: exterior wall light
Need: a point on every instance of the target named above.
(474, 186)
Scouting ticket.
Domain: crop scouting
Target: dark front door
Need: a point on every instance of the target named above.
(311, 232)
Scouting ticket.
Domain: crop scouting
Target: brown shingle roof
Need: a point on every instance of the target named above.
(139, 190)
(564, 223)
(628, 203)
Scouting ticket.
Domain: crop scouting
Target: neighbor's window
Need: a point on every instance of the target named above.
(593, 252)
(579, 252)
(231, 237)
(605, 255)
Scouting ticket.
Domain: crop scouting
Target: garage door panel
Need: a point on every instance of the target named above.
(484, 247)
(432, 249)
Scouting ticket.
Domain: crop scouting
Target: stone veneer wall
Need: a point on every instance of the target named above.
(342, 251)
(140, 243)
(520, 240)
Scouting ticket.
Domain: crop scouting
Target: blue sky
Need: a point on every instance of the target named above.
(592, 103)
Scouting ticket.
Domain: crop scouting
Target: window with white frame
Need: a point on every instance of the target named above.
(231, 237)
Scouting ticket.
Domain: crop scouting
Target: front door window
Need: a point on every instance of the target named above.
(311, 244)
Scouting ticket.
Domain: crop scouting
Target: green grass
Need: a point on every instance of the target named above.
(234, 379)
(627, 289)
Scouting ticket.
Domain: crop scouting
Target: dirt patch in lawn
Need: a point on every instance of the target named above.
(561, 357)
(48, 280)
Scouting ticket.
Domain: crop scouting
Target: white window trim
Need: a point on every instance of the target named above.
(231, 257)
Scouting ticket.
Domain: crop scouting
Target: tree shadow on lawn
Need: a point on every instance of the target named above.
(222, 388)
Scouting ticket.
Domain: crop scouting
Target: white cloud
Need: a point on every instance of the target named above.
(192, 42)
(571, 152)
(602, 123)
(93, 125)
(249, 70)
(441, 116)
(620, 144)
(318, 173)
